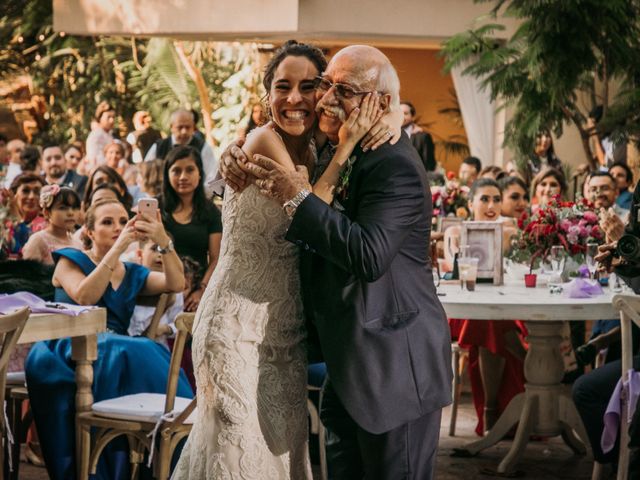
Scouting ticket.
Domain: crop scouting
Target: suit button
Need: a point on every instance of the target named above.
(312, 250)
(306, 247)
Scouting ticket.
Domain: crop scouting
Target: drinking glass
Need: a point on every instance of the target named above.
(468, 270)
(590, 258)
(557, 257)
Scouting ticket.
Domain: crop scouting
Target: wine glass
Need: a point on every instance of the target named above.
(590, 257)
(557, 257)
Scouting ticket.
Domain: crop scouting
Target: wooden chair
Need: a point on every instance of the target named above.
(164, 302)
(15, 395)
(11, 327)
(165, 416)
(459, 360)
(317, 428)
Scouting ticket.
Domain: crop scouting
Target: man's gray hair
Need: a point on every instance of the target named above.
(180, 111)
(388, 82)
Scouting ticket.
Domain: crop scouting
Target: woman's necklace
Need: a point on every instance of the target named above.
(93, 257)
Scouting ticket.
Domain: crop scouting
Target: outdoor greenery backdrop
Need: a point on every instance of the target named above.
(73, 74)
(564, 51)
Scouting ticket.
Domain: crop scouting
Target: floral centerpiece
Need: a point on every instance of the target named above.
(569, 224)
(450, 199)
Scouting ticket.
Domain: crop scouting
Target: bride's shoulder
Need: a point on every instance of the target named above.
(267, 142)
(262, 138)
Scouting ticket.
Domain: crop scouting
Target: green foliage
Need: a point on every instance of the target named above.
(560, 48)
(73, 74)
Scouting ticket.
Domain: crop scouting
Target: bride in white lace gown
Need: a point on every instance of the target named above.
(248, 341)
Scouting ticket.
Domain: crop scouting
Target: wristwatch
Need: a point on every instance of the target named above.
(167, 249)
(291, 206)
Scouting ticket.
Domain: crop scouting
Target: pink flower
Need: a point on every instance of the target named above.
(590, 217)
(565, 225)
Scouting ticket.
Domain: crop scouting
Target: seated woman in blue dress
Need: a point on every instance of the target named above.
(125, 365)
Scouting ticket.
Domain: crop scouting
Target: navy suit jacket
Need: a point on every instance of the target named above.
(368, 289)
(75, 181)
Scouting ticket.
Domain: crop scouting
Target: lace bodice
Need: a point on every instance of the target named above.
(257, 265)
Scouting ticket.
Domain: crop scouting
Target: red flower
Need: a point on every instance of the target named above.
(451, 175)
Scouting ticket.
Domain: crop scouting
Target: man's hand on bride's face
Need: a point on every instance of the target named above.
(275, 181)
(232, 167)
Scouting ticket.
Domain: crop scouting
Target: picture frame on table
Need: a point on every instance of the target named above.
(446, 222)
(485, 243)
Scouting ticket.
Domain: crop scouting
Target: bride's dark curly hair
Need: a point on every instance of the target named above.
(295, 49)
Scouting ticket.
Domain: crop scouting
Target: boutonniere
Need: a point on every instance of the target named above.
(343, 180)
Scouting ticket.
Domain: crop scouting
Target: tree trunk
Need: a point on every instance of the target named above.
(196, 75)
(584, 137)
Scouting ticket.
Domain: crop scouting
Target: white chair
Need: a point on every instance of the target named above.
(167, 417)
(629, 308)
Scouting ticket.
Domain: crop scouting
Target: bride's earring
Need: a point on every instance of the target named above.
(266, 108)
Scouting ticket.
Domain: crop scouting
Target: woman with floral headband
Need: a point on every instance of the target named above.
(60, 207)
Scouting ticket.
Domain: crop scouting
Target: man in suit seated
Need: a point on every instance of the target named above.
(56, 172)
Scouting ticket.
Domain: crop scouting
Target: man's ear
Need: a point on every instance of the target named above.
(385, 102)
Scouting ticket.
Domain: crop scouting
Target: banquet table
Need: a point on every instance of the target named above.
(545, 407)
(83, 330)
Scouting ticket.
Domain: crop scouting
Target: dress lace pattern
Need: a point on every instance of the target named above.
(248, 354)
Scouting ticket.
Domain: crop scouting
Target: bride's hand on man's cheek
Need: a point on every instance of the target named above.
(387, 129)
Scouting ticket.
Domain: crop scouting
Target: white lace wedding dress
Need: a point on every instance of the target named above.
(248, 354)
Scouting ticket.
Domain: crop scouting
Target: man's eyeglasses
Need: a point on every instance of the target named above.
(343, 90)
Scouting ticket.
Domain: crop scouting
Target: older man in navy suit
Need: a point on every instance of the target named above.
(368, 288)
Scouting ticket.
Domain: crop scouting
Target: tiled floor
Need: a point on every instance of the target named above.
(543, 460)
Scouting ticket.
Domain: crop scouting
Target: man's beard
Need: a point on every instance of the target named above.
(56, 172)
